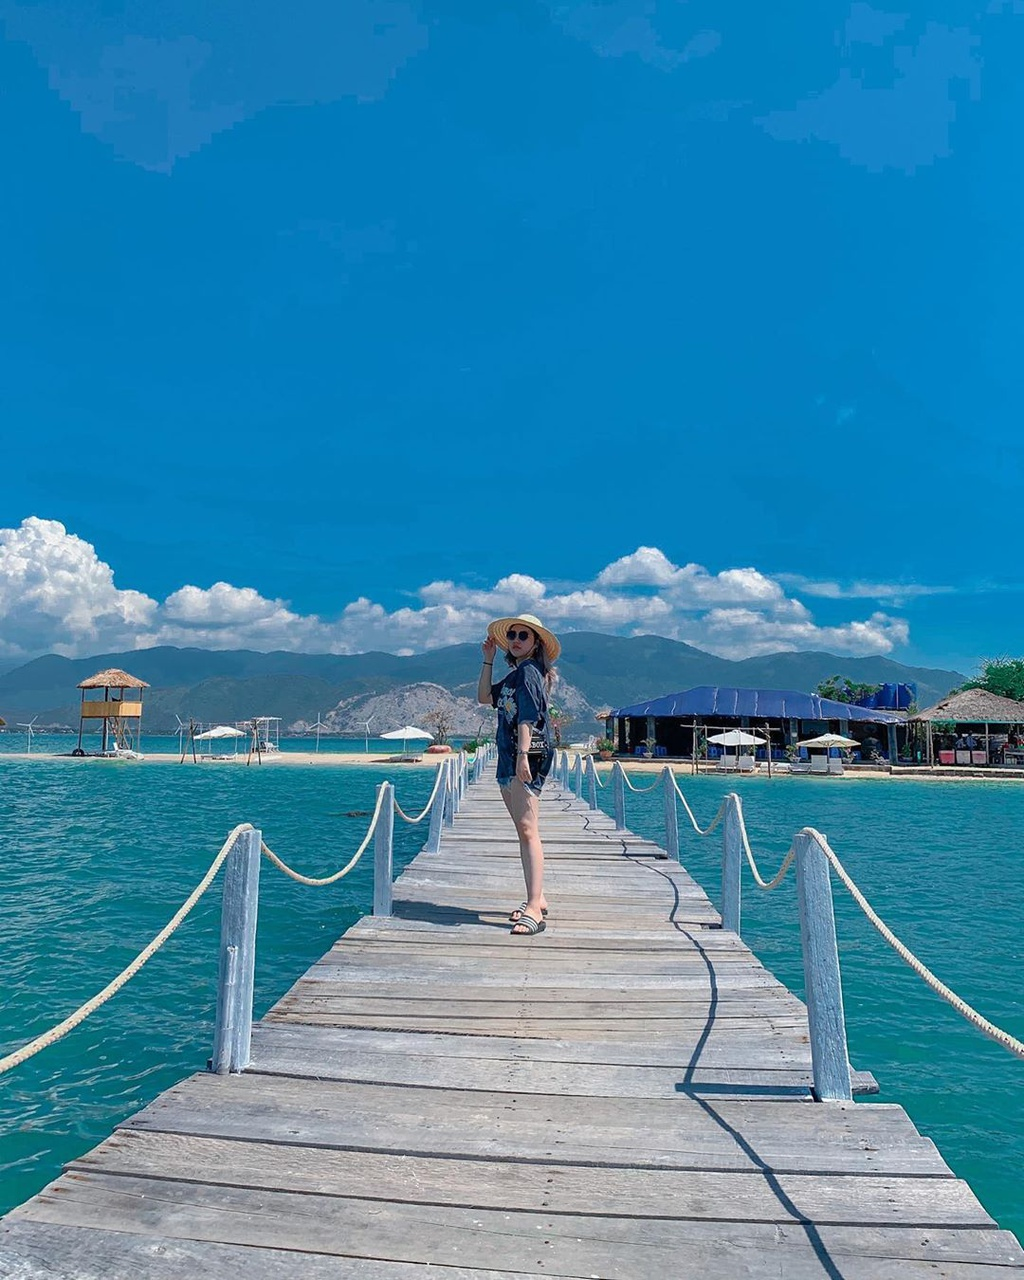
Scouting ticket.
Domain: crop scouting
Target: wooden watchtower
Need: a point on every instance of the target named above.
(114, 697)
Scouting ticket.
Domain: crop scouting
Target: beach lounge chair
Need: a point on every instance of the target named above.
(819, 764)
(725, 764)
(745, 764)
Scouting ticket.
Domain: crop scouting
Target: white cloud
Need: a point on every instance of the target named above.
(895, 101)
(620, 28)
(688, 585)
(57, 595)
(156, 83)
(892, 592)
(744, 633)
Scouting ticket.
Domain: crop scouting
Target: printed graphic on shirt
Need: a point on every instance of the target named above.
(507, 702)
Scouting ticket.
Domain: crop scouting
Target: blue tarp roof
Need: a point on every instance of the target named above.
(709, 701)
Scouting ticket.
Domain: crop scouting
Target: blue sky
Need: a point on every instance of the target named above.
(348, 326)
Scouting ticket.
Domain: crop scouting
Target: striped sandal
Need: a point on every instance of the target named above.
(526, 926)
(518, 912)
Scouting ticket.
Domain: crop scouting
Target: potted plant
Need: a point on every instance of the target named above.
(605, 748)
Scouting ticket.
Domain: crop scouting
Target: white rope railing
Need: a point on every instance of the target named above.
(90, 1006)
(966, 1010)
(427, 807)
(640, 791)
(319, 882)
(68, 1024)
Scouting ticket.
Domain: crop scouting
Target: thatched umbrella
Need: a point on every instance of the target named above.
(113, 711)
(113, 678)
(972, 707)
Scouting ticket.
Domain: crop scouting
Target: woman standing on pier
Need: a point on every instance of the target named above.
(525, 749)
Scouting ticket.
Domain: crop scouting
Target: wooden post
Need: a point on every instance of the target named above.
(237, 961)
(732, 862)
(456, 791)
(383, 852)
(893, 751)
(448, 792)
(619, 795)
(825, 1017)
(437, 812)
(671, 816)
(578, 776)
(591, 782)
(768, 748)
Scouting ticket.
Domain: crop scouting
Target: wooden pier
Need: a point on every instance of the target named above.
(625, 1095)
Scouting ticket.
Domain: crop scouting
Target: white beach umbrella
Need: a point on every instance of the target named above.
(829, 740)
(406, 732)
(736, 738)
(219, 731)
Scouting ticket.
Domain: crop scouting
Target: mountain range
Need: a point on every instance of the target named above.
(596, 672)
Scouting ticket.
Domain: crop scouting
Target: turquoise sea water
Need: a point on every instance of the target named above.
(97, 855)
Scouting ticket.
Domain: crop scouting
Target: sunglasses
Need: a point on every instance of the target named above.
(513, 634)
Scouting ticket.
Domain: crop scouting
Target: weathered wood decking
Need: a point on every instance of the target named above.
(625, 1095)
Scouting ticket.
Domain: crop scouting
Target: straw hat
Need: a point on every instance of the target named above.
(498, 630)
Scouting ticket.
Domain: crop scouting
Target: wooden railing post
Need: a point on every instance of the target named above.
(448, 794)
(732, 862)
(671, 816)
(577, 774)
(383, 852)
(591, 782)
(619, 796)
(437, 811)
(237, 960)
(456, 786)
(822, 981)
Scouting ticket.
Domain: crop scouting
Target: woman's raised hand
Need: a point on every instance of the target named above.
(489, 649)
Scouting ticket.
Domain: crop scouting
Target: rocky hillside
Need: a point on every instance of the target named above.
(423, 703)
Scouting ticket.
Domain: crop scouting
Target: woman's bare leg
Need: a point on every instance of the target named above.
(524, 807)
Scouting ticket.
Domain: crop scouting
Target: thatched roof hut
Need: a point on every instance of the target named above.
(113, 678)
(975, 706)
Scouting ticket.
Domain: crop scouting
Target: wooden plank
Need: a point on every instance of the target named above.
(724, 1044)
(535, 1187)
(724, 1041)
(502, 1240)
(31, 1250)
(583, 1080)
(723, 1133)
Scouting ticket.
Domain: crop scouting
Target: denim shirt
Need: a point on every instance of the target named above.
(521, 698)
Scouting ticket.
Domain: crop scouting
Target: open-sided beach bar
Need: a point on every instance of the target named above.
(678, 724)
(972, 727)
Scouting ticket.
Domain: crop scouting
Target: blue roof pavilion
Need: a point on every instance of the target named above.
(679, 724)
(717, 702)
